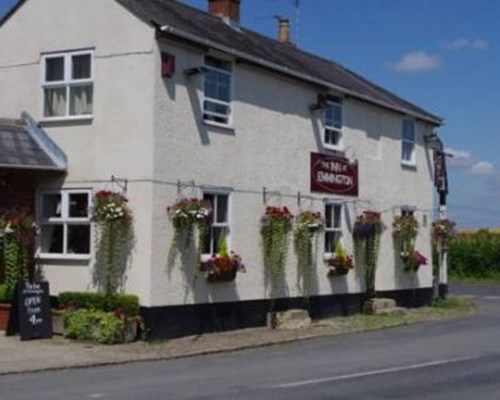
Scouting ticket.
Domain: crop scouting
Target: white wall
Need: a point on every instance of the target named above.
(118, 140)
(270, 146)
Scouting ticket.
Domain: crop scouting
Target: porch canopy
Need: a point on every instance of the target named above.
(24, 145)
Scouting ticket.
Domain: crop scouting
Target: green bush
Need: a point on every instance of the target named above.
(100, 301)
(97, 326)
(475, 255)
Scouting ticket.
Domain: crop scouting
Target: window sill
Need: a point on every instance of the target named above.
(229, 128)
(71, 119)
(409, 164)
(68, 257)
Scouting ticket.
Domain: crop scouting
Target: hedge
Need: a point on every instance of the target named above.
(475, 255)
(99, 301)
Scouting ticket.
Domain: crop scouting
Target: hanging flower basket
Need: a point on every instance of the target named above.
(187, 213)
(367, 224)
(309, 221)
(413, 260)
(222, 268)
(443, 231)
(340, 265)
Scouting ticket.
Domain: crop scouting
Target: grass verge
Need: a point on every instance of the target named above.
(440, 310)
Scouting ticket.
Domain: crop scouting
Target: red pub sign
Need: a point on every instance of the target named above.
(333, 174)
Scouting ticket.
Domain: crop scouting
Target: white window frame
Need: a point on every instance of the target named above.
(229, 104)
(67, 82)
(339, 103)
(218, 225)
(335, 229)
(412, 143)
(65, 220)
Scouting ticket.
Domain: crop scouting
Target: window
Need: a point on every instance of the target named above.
(333, 226)
(217, 88)
(332, 124)
(68, 84)
(64, 219)
(219, 230)
(408, 142)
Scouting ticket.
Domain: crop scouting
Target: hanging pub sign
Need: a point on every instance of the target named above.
(334, 174)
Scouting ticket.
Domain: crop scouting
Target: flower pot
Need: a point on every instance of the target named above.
(4, 315)
(222, 276)
(130, 330)
(57, 323)
(337, 271)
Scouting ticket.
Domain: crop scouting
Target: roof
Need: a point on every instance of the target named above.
(185, 22)
(21, 147)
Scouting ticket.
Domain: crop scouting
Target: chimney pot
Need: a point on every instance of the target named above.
(284, 30)
(225, 8)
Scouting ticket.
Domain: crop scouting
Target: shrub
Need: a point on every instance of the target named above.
(475, 255)
(100, 301)
(95, 325)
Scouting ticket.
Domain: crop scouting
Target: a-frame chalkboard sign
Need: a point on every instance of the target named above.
(30, 312)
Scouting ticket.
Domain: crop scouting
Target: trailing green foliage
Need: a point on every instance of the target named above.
(95, 325)
(4, 298)
(100, 301)
(366, 235)
(309, 224)
(276, 226)
(113, 222)
(475, 255)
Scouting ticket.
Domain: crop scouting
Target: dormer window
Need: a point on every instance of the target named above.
(68, 84)
(332, 124)
(217, 91)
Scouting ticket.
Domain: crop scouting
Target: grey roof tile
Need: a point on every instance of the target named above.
(19, 150)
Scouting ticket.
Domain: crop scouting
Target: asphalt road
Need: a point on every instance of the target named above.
(457, 359)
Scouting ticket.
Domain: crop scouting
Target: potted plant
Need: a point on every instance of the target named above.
(340, 263)
(223, 266)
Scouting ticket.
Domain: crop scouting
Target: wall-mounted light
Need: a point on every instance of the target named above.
(189, 72)
(321, 103)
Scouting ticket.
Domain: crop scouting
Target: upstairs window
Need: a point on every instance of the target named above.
(217, 90)
(219, 229)
(68, 84)
(408, 142)
(64, 220)
(333, 226)
(332, 124)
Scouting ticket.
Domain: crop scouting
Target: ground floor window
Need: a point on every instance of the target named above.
(64, 220)
(333, 226)
(219, 227)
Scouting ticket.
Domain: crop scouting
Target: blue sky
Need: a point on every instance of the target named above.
(443, 55)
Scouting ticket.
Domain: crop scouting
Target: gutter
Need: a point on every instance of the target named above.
(32, 167)
(168, 29)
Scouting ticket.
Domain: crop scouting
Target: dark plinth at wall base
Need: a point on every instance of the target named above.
(195, 319)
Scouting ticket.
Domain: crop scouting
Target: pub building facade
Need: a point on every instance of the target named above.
(162, 101)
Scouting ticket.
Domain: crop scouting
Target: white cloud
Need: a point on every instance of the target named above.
(465, 43)
(418, 61)
(482, 168)
(460, 158)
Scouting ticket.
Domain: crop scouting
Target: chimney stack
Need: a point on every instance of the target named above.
(226, 9)
(284, 30)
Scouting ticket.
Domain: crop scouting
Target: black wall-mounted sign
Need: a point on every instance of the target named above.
(30, 313)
